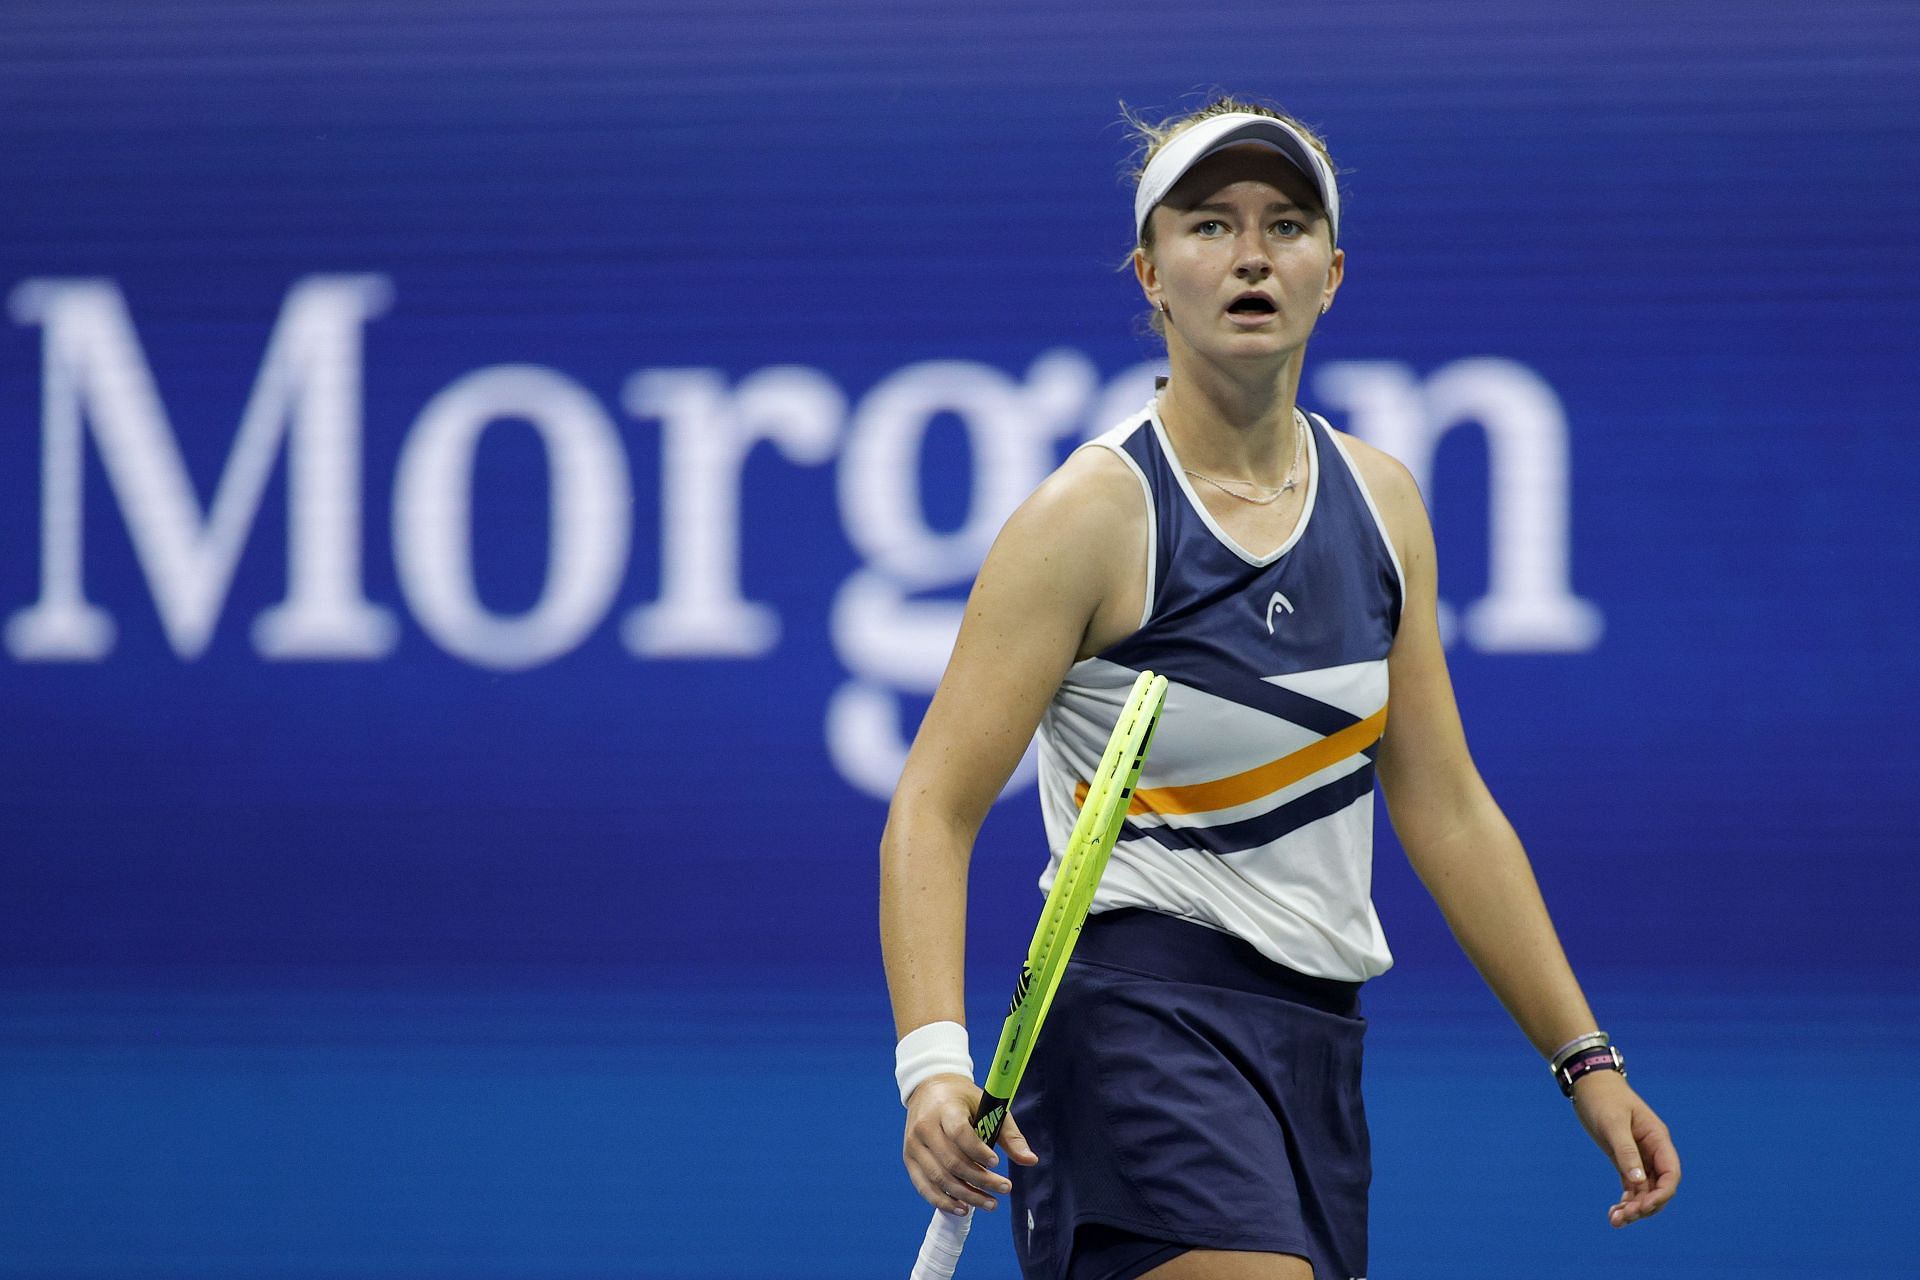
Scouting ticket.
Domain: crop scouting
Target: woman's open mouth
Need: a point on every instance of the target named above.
(1252, 308)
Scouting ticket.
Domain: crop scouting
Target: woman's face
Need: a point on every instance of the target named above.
(1242, 257)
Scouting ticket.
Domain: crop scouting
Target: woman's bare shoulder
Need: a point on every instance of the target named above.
(1394, 491)
(1091, 492)
(1090, 501)
(1386, 477)
(1075, 547)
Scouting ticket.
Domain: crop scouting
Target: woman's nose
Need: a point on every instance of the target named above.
(1253, 260)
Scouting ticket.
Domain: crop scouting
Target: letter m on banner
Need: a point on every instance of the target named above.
(306, 396)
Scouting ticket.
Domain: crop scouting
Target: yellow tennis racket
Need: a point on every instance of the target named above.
(1092, 841)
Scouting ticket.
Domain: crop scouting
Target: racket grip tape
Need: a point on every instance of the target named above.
(940, 1251)
(946, 1234)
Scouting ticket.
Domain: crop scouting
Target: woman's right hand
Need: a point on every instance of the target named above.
(950, 1167)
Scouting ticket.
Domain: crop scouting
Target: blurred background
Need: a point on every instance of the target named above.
(486, 491)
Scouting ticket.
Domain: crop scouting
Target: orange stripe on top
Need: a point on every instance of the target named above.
(1261, 780)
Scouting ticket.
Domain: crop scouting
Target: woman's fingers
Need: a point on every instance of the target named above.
(1617, 1138)
(1016, 1143)
(1652, 1173)
(933, 1189)
(951, 1167)
(957, 1182)
(1662, 1165)
(1636, 1142)
(968, 1143)
(1626, 1158)
(968, 1161)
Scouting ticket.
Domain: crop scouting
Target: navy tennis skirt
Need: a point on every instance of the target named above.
(1188, 1093)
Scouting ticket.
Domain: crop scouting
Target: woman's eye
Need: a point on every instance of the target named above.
(1209, 227)
(1288, 227)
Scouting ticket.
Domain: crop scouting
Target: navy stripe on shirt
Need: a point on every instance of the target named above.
(1251, 833)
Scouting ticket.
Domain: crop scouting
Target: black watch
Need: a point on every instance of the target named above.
(1602, 1057)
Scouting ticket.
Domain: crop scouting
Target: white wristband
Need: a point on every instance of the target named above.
(937, 1049)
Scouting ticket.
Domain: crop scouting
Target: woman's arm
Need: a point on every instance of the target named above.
(1468, 857)
(1057, 583)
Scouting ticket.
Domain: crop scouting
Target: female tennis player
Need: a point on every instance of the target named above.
(1192, 1107)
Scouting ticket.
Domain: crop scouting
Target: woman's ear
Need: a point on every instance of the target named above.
(1149, 277)
(1336, 272)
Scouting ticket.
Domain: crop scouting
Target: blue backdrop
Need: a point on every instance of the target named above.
(486, 491)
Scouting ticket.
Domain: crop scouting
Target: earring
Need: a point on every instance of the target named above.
(1165, 310)
(1324, 306)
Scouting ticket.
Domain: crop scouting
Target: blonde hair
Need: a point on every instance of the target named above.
(1149, 137)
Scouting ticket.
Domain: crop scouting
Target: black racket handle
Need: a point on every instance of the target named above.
(989, 1116)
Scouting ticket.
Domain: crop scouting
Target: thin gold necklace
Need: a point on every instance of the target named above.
(1272, 495)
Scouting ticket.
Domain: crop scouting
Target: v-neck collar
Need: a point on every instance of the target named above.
(1206, 516)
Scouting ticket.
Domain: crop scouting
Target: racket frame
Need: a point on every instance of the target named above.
(1095, 831)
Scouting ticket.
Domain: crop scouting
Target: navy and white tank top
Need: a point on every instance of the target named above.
(1254, 814)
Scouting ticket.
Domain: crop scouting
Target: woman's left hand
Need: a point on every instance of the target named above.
(1634, 1138)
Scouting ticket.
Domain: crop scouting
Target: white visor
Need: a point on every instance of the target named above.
(1194, 144)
